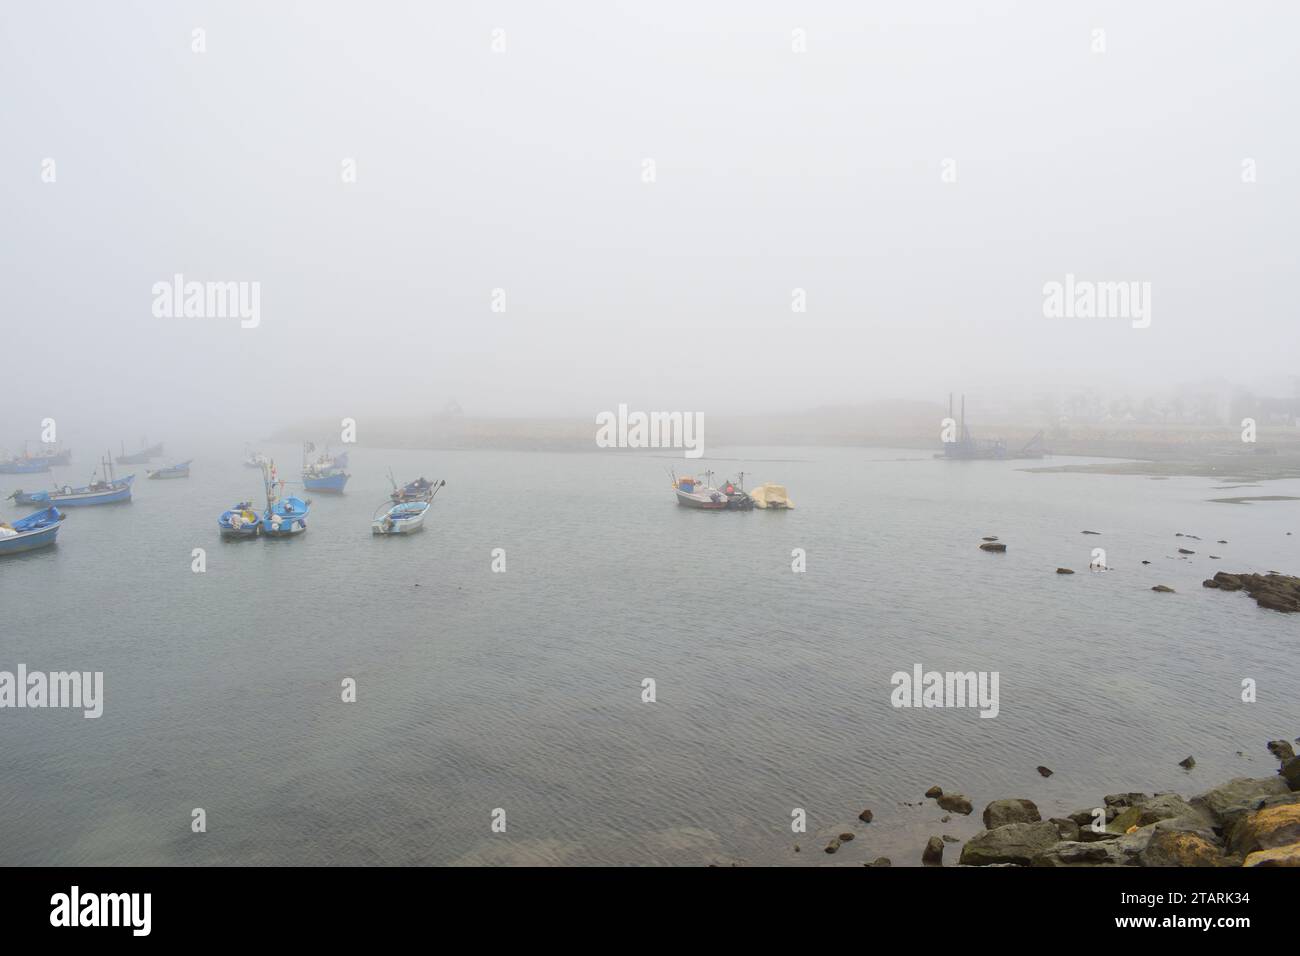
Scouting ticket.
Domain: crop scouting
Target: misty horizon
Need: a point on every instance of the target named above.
(522, 171)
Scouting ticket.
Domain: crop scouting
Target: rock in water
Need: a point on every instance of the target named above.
(865, 816)
(846, 837)
(992, 546)
(1164, 589)
(1290, 771)
(881, 861)
(1016, 843)
(955, 803)
(933, 853)
(832, 846)
(1187, 763)
(933, 793)
(991, 538)
(1064, 571)
(1185, 551)
(1044, 771)
(1001, 812)
(1281, 749)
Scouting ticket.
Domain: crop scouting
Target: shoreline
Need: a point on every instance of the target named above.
(1242, 822)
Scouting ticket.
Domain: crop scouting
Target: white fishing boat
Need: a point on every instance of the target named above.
(693, 493)
(406, 517)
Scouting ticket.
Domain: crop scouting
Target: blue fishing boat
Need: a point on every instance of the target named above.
(100, 491)
(325, 474)
(283, 517)
(25, 465)
(27, 534)
(181, 470)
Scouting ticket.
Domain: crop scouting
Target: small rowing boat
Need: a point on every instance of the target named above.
(240, 521)
(405, 517)
(419, 490)
(27, 534)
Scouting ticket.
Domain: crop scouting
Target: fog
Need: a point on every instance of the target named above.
(524, 170)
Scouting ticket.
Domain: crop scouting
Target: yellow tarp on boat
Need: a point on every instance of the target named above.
(771, 496)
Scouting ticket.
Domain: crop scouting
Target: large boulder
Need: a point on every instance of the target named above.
(1265, 829)
(1113, 851)
(1179, 848)
(1290, 772)
(1123, 799)
(1237, 797)
(1001, 812)
(933, 852)
(1016, 843)
(1288, 855)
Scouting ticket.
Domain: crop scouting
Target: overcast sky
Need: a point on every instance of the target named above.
(524, 170)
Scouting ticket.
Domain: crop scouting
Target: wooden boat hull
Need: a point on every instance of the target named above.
(326, 484)
(24, 466)
(83, 497)
(704, 502)
(404, 518)
(35, 537)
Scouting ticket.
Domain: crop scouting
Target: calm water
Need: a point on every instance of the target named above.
(522, 690)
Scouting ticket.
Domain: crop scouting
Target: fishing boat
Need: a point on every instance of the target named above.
(61, 457)
(421, 489)
(284, 516)
(325, 474)
(100, 491)
(405, 517)
(253, 459)
(27, 534)
(25, 465)
(692, 493)
(771, 497)
(180, 470)
(240, 521)
(141, 457)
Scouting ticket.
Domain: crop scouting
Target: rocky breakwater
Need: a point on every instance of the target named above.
(1277, 592)
(1246, 822)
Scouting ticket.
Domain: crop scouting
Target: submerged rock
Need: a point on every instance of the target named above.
(1164, 589)
(1064, 571)
(1187, 763)
(955, 803)
(865, 816)
(833, 846)
(1043, 771)
(881, 861)
(992, 546)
